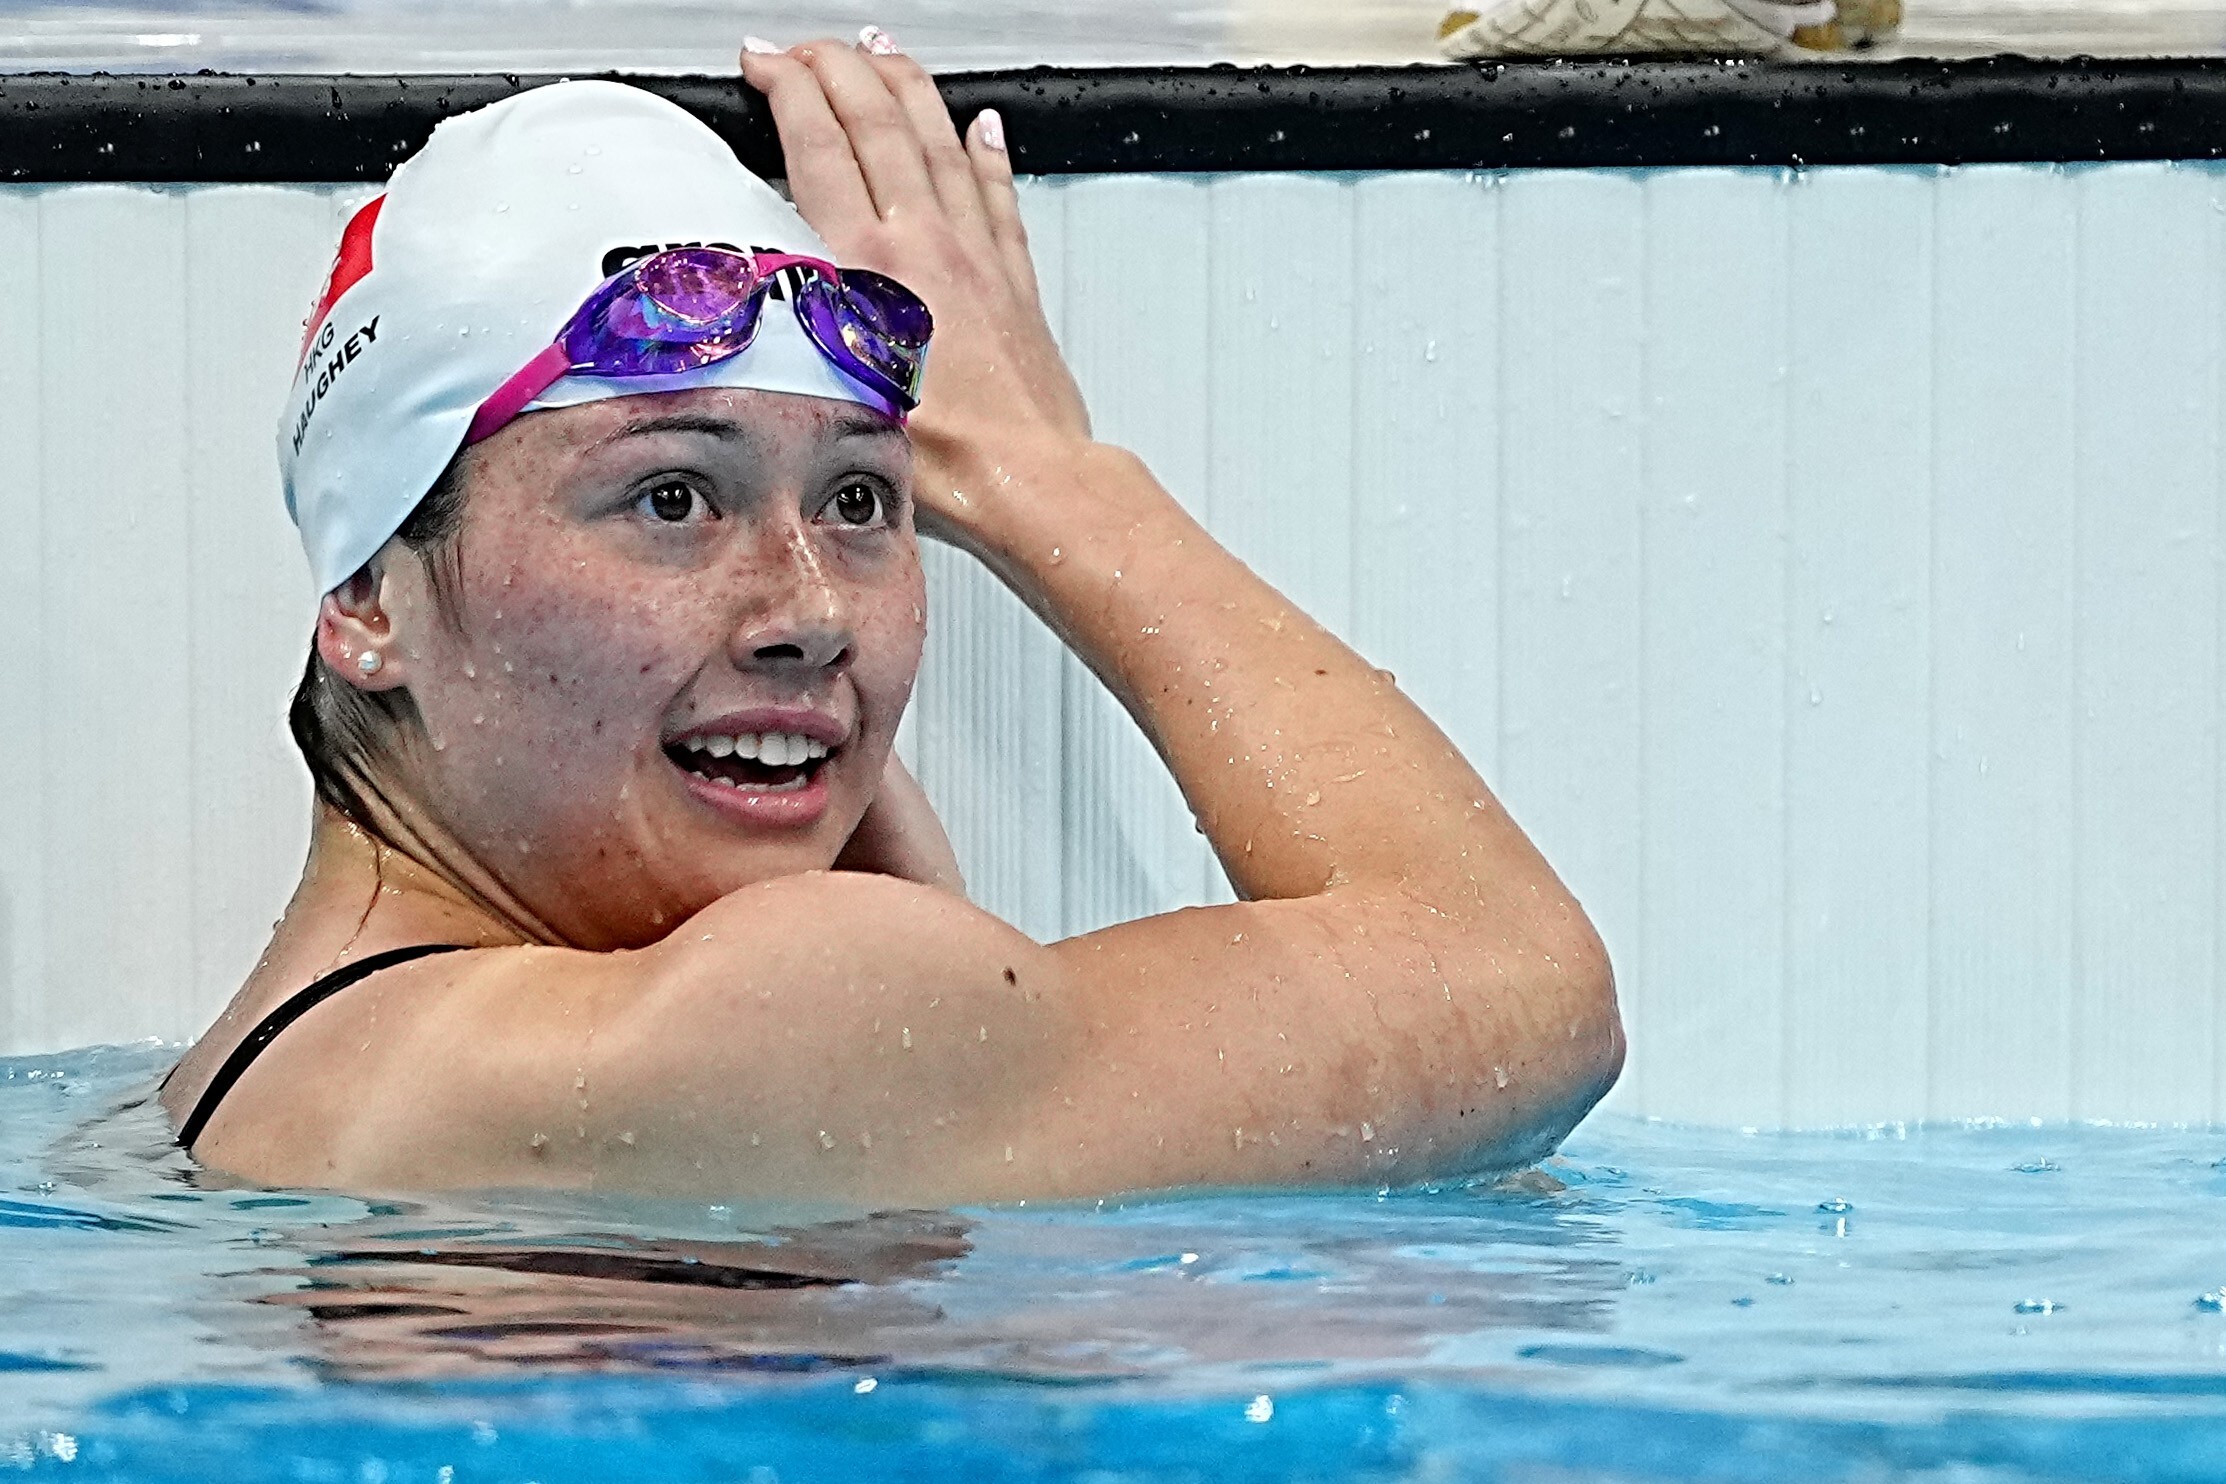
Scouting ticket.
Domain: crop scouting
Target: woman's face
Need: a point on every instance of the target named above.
(685, 628)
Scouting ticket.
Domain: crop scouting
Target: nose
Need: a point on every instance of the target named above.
(801, 617)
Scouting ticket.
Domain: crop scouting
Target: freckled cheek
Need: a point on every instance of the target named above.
(594, 670)
(891, 629)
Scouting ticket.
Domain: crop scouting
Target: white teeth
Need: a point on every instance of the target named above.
(774, 749)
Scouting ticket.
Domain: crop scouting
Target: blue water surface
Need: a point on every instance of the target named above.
(1949, 1302)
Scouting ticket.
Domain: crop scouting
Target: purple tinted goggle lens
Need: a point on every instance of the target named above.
(693, 306)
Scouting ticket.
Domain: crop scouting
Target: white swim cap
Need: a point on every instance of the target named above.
(484, 244)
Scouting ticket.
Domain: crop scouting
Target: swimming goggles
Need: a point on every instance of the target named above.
(694, 306)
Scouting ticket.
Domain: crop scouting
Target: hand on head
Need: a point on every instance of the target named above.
(878, 170)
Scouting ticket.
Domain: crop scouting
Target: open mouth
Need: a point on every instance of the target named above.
(753, 762)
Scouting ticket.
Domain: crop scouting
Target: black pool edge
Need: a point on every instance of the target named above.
(217, 127)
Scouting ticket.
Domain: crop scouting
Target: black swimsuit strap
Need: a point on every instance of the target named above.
(300, 1003)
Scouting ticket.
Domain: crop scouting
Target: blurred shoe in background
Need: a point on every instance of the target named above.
(1860, 24)
(1532, 28)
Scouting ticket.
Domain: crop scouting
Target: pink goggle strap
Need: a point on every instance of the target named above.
(515, 395)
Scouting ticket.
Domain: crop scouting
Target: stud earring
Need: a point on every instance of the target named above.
(368, 662)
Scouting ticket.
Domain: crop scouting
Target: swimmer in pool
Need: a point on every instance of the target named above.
(611, 470)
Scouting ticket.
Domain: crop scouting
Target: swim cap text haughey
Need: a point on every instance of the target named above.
(330, 356)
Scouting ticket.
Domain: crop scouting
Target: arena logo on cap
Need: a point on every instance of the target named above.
(623, 257)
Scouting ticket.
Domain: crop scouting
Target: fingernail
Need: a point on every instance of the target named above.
(879, 42)
(758, 46)
(992, 125)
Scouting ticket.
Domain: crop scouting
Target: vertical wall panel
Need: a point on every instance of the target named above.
(1825, 571)
(988, 739)
(24, 981)
(1570, 474)
(2146, 848)
(1282, 387)
(1858, 720)
(251, 602)
(1714, 593)
(2004, 913)
(1425, 535)
(1131, 848)
(119, 657)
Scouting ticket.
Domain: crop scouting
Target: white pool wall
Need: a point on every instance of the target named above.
(1825, 567)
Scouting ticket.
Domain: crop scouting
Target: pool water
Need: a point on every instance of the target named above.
(1950, 1302)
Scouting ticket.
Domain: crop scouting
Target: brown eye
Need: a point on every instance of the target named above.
(673, 502)
(856, 504)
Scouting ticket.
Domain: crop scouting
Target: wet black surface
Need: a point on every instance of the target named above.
(221, 127)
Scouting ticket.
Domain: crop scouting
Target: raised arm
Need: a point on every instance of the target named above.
(1399, 925)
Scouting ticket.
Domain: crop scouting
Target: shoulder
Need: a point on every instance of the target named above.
(757, 1017)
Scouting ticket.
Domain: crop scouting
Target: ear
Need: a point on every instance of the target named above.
(355, 635)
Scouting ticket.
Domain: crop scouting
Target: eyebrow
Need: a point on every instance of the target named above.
(682, 422)
(864, 425)
(859, 424)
